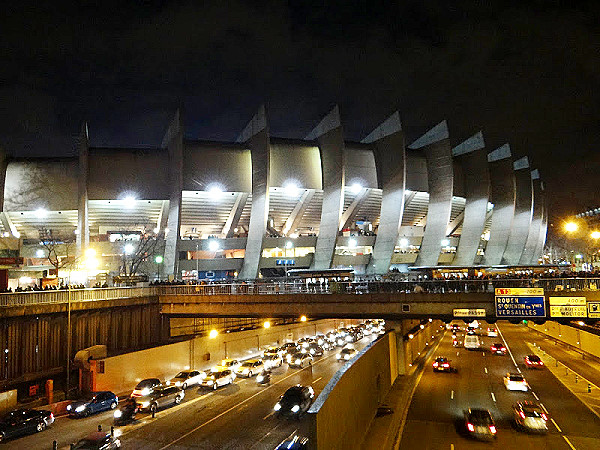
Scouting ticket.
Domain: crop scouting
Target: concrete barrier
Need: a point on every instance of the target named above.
(8, 400)
(574, 337)
(121, 373)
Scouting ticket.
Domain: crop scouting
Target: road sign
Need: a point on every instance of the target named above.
(563, 301)
(520, 302)
(568, 311)
(468, 312)
(593, 310)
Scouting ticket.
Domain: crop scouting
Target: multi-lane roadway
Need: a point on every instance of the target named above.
(435, 415)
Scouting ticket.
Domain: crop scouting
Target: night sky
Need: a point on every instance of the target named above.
(526, 73)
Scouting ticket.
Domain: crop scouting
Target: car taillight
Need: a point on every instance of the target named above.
(544, 416)
(493, 349)
(521, 414)
(435, 364)
(51, 416)
(493, 429)
(446, 365)
(541, 363)
(470, 427)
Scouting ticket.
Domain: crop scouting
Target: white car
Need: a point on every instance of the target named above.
(187, 378)
(472, 342)
(271, 351)
(218, 378)
(492, 332)
(272, 361)
(250, 368)
(346, 354)
(515, 382)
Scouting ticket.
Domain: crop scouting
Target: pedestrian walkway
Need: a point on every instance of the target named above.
(586, 390)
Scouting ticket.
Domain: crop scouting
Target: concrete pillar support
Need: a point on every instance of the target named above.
(523, 213)
(529, 255)
(438, 153)
(256, 136)
(330, 138)
(83, 229)
(390, 162)
(472, 157)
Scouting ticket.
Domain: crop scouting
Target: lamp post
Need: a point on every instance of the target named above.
(158, 259)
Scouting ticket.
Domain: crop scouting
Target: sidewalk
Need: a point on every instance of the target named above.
(584, 389)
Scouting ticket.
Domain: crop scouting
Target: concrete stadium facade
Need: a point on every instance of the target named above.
(264, 203)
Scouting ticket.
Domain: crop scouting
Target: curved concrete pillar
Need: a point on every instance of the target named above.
(390, 162)
(541, 238)
(503, 197)
(529, 255)
(438, 154)
(330, 138)
(173, 141)
(3, 167)
(523, 211)
(83, 229)
(256, 136)
(473, 159)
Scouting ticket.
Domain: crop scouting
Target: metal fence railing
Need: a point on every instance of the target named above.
(442, 286)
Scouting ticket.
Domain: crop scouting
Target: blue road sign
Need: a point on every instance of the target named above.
(520, 306)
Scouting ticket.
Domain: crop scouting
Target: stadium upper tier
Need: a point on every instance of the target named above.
(319, 202)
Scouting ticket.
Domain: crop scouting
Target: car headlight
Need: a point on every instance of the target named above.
(298, 361)
(80, 408)
(178, 383)
(245, 371)
(69, 407)
(346, 356)
(145, 404)
(295, 408)
(277, 406)
(169, 383)
(312, 351)
(145, 391)
(118, 414)
(259, 378)
(338, 356)
(210, 382)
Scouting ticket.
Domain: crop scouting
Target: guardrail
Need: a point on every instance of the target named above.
(298, 287)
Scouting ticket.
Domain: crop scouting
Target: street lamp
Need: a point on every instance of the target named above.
(158, 259)
(595, 235)
(571, 227)
(267, 324)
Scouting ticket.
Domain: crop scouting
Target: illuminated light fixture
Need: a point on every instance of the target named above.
(213, 245)
(90, 253)
(39, 253)
(595, 235)
(215, 189)
(581, 322)
(403, 242)
(235, 274)
(291, 188)
(128, 249)
(289, 244)
(294, 235)
(129, 201)
(356, 188)
(25, 280)
(303, 319)
(17, 234)
(571, 227)
(421, 326)
(156, 230)
(91, 263)
(410, 336)
(158, 259)
(41, 213)
(267, 324)
(445, 242)
(213, 334)
(352, 243)
(579, 256)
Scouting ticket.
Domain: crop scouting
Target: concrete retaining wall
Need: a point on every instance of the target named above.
(580, 339)
(121, 373)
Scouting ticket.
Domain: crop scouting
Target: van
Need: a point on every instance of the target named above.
(472, 342)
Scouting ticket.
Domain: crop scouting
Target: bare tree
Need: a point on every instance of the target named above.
(60, 250)
(139, 251)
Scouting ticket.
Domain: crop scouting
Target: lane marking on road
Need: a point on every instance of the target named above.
(556, 425)
(483, 353)
(493, 396)
(508, 348)
(202, 425)
(485, 368)
(544, 408)
(268, 415)
(536, 397)
(451, 446)
(267, 434)
(568, 442)
(452, 395)
(316, 380)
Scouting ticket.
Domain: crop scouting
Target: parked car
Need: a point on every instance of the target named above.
(301, 360)
(161, 397)
(187, 378)
(250, 367)
(218, 378)
(295, 401)
(100, 401)
(98, 441)
(24, 421)
(271, 361)
(145, 387)
(480, 424)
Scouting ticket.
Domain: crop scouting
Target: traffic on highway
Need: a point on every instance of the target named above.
(484, 387)
(254, 403)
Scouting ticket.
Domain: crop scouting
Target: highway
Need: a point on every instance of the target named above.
(238, 416)
(435, 416)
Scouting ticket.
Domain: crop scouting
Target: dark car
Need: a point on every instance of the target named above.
(145, 387)
(161, 397)
(498, 349)
(98, 441)
(295, 401)
(101, 401)
(442, 364)
(314, 349)
(24, 421)
(479, 424)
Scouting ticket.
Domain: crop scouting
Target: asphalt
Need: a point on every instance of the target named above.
(239, 416)
(434, 419)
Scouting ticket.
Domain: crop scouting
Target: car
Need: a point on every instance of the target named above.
(145, 387)
(456, 342)
(272, 361)
(289, 352)
(479, 424)
(218, 378)
(492, 332)
(327, 346)
(472, 342)
(271, 351)
(160, 397)
(313, 349)
(187, 378)
(320, 338)
(305, 341)
(442, 364)
(530, 416)
(98, 402)
(301, 360)
(295, 401)
(24, 421)
(515, 382)
(287, 345)
(231, 364)
(98, 441)
(341, 341)
(346, 354)
(293, 442)
(455, 327)
(250, 367)
(533, 362)
(498, 349)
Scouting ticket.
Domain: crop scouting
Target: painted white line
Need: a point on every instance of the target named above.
(508, 348)
(268, 415)
(556, 425)
(536, 397)
(544, 408)
(451, 446)
(483, 353)
(316, 380)
(568, 442)
(457, 353)
(267, 435)
(485, 368)
(452, 395)
(493, 396)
